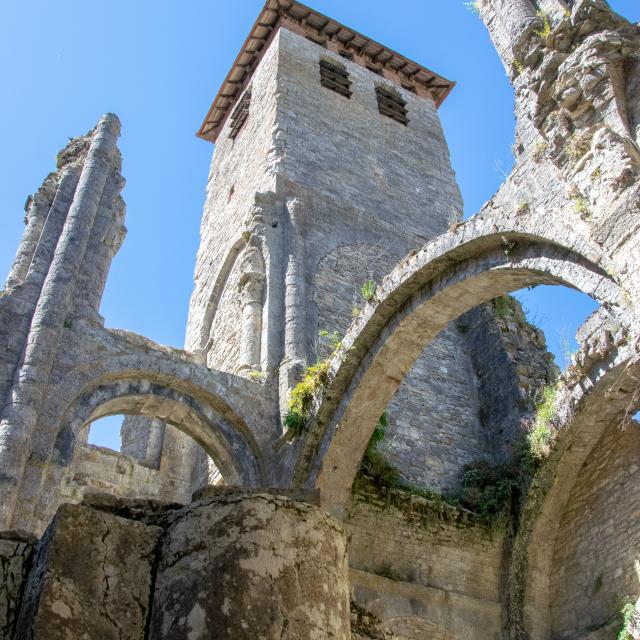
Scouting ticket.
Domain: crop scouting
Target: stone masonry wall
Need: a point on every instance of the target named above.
(425, 570)
(595, 558)
(240, 167)
(371, 190)
(512, 366)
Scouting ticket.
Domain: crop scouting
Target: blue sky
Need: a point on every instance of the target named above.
(158, 65)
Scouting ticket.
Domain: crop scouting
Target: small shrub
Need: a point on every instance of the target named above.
(539, 149)
(546, 26)
(374, 464)
(503, 307)
(517, 67)
(597, 174)
(578, 145)
(315, 379)
(489, 490)
(523, 207)
(257, 376)
(581, 206)
(332, 338)
(541, 435)
(368, 290)
(355, 311)
(456, 223)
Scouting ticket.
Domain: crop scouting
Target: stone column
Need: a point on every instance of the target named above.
(36, 215)
(20, 415)
(295, 357)
(241, 565)
(509, 22)
(251, 287)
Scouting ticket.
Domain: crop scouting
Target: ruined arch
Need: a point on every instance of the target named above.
(597, 400)
(140, 396)
(450, 275)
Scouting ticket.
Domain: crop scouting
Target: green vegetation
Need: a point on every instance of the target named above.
(489, 490)
(578, 145)
(368, 290)
(581, 206)
(517, 66)
(626, 612)
(332, 338)
(503, 307)
(316, 378)
(257, 376)
(374, 464)
(542, 433)
(523, 207)
(546, 26)
(539, 149)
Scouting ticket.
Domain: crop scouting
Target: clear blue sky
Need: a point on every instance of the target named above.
(158, 65)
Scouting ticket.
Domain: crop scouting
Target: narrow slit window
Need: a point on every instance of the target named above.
(240, 114)
(391, 105)
(335, 77)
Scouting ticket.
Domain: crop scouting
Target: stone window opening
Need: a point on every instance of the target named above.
(240, 114)
(391, 104)
(335, 77)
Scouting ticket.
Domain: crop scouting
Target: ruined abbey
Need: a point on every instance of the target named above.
(363, 437)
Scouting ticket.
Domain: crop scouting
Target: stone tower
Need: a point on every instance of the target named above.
(330, 165)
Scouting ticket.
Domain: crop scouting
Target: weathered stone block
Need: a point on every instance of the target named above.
(16, 551)
(91, 578)
(251, 565)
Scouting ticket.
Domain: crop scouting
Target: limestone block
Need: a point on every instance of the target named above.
(91, 578)
(246, 565)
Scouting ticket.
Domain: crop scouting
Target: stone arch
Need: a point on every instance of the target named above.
(597, 401)
(140, 396)
(450, 275)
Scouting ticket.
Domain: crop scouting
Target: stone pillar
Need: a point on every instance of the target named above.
(295, 357)
(251, 287)
(37, 210)
(241, 565)
(509, 23)
(20, 415)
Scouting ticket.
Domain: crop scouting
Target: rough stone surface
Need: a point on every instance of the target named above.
(424, 568)
(303, 205)
(16, 551)
(92, 578)
(251, 566)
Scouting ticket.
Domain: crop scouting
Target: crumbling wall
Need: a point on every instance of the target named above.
(512, 366)
(424, 568)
